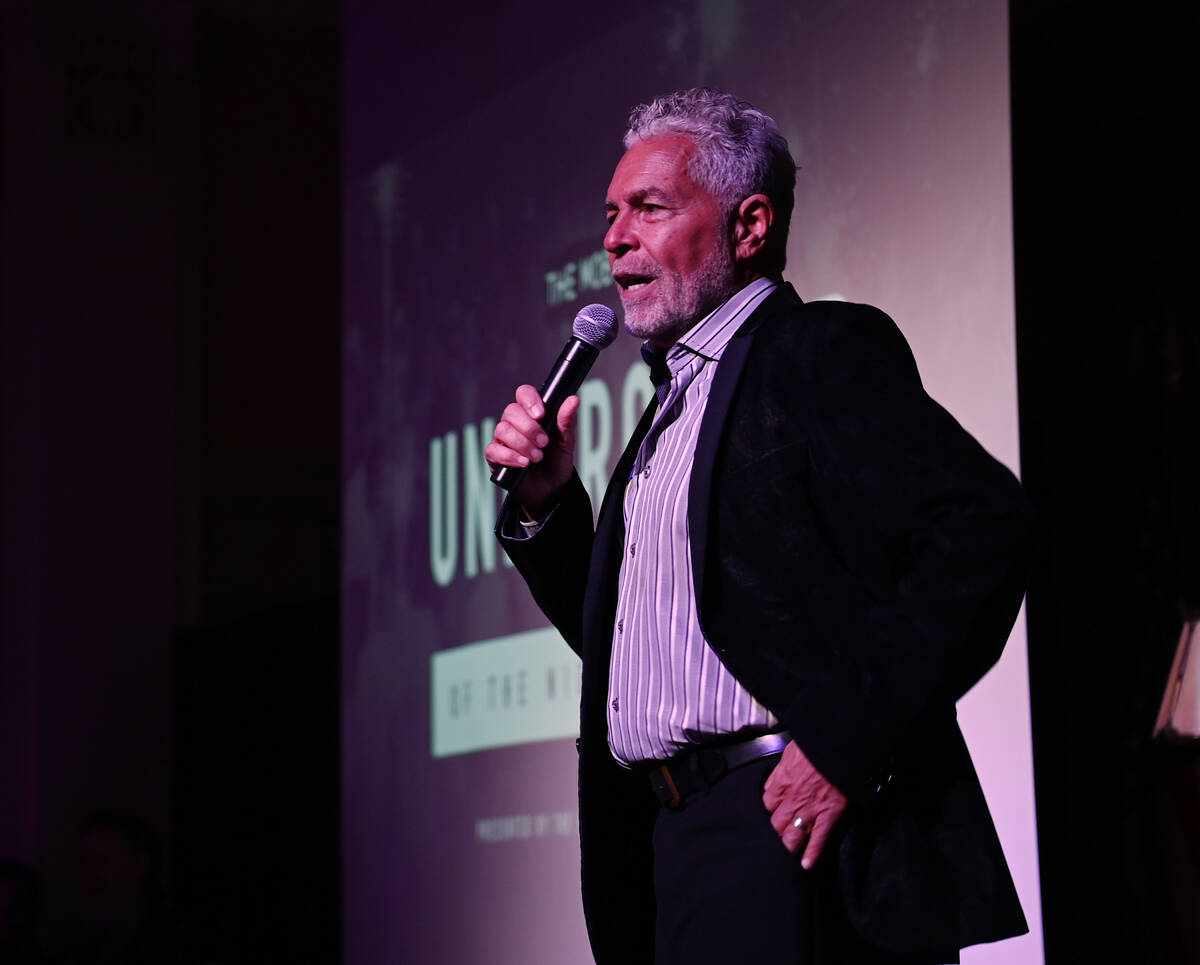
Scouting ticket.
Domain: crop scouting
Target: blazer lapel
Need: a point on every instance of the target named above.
(610, 524)
(716, 413)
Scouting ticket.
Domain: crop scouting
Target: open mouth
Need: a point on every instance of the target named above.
(631, 283)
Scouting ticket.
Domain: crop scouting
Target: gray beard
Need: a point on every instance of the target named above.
(677, 309)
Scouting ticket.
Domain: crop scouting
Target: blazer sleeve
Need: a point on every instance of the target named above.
(943, 576)
(883, 548)
(554, 561)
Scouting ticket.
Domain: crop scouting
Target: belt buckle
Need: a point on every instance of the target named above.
(664, 787)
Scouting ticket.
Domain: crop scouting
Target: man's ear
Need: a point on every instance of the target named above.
(752, 222)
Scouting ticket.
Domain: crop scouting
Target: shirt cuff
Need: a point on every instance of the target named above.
(527, 529)
(531, 526)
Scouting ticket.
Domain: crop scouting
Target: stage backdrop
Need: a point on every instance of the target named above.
(469, 245)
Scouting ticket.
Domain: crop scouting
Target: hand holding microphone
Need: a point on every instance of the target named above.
(534, 443)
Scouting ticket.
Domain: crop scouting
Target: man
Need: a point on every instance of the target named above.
(800, 564)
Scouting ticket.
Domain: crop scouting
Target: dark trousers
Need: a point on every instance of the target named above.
(728, 891)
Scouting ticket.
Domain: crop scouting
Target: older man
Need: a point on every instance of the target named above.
(800, 564)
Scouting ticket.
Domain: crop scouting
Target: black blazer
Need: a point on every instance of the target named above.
(858, 562)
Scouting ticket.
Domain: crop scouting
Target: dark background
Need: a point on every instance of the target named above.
(1108, 352)
(170, 459)
(169, 279)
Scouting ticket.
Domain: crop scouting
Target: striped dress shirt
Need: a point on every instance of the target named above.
(667, 688)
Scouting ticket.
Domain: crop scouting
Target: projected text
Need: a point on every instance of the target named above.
(568, 283)
(503, 691)
(463, 503)
(522, 827)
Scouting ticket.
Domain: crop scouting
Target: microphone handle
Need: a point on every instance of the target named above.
(573, 364)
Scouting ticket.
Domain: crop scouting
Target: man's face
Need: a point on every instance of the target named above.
(669, 245)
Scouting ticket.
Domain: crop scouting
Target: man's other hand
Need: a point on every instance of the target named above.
(794, 791)
(521, 442)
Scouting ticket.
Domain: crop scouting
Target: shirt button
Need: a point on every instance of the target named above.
(632, 548)
(620, 626)
(646, 473)
(616, 705)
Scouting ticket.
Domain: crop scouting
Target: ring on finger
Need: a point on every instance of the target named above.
(800, 823)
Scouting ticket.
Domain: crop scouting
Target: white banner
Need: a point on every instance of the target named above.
(508, 690)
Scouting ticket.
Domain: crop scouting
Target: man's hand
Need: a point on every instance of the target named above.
(520, 441)
(796, 790)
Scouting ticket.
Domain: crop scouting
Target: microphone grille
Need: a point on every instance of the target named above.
(596, 325)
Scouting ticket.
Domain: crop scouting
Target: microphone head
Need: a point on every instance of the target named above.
(596, 325)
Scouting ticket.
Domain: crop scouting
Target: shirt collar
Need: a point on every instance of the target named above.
(709, 336)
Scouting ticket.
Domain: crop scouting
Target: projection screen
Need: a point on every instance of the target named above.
(466, 255)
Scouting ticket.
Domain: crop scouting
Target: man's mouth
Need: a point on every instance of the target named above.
(631, 283)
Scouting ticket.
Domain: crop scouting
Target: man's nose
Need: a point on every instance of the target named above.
(618, 239)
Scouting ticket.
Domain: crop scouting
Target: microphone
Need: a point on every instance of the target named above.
(594, 328)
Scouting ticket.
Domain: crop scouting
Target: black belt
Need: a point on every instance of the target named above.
(697, 770)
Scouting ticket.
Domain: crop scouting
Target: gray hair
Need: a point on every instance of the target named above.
(740, 150)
